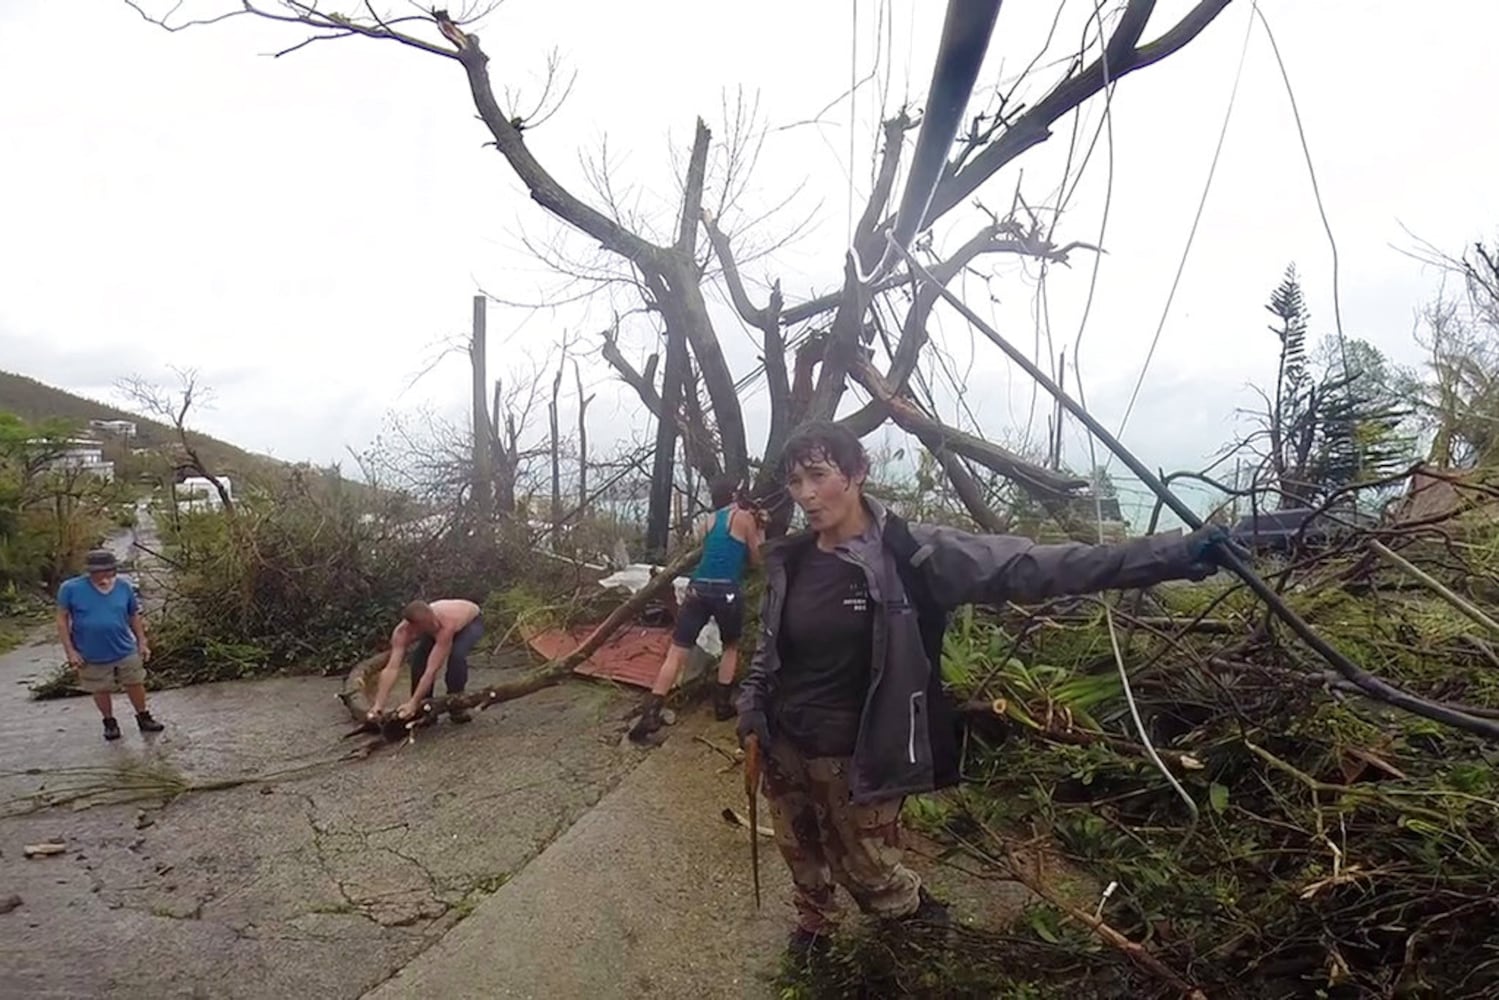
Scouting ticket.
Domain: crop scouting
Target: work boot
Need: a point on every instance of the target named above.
(650, 719)
(111, 728)
(460, 715)
(147, 724)
(723, 702)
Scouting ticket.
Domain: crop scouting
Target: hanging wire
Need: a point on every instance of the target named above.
(1096, 471)
(1306, 152)
(1181, 265)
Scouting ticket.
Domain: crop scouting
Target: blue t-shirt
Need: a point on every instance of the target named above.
(101, 622)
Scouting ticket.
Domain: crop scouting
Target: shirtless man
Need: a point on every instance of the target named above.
(437, 634)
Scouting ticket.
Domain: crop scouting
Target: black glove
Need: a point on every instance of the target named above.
(1207, 548)
(753, 722)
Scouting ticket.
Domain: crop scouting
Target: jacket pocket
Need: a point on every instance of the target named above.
(917, 714)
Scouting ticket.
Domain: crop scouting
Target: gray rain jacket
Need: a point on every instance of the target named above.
(908, 734)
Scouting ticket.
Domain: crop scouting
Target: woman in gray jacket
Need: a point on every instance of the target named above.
(845, 693)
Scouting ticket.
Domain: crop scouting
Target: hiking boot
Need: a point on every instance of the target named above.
(111, 728)
(804, 946)
(723, 702)
(649, 721)
(147, 724)
(460, 715)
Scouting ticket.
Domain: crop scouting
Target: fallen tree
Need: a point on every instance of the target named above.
(391, 726)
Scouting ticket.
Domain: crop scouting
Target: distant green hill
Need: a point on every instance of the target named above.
(35, 401)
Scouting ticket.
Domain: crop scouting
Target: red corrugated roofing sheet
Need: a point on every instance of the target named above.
(632, 655)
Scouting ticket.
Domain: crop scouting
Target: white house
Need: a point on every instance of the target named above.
(124, 428)
(198, 493)
(82, 454)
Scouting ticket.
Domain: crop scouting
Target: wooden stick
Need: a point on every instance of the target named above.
(733, 756)
(1135, 951)
(1435, 586)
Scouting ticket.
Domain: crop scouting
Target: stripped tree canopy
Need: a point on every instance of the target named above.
(873, 335)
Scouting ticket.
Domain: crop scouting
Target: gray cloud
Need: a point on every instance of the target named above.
(301, 229)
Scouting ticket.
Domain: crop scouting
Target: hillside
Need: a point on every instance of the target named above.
(34, 401)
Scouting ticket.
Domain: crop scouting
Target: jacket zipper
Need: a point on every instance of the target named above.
(911, 732)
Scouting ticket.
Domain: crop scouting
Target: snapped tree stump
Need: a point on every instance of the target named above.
(360, 681)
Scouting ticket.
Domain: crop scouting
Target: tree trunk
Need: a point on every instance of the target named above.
(556, 452)
(483, 471)
(663, 467)
(582, 438)
(505, 457)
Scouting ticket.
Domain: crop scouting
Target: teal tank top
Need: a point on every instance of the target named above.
(723, 554)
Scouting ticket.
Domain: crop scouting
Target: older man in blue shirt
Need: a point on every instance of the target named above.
(99, 622)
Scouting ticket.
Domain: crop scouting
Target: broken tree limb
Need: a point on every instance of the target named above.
(998, 237)
(866, 233)
(1436, 586)
(768, 321)
(1036, 883)
(992, 456)
(1033, 126)
(1369, 685)
(642, 383)
(392, 727)
(1133, 950)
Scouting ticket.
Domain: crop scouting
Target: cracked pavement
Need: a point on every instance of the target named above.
(322, 883)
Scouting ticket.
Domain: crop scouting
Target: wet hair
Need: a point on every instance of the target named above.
(824, 441)
(416, 611)
(723, 490)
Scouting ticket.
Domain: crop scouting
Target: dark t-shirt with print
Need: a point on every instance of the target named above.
(827, 635)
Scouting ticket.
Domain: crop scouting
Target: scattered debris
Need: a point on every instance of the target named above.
(10, 903)
(733, 818)
(45, 849)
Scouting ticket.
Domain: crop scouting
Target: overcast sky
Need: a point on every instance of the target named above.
(307, 231)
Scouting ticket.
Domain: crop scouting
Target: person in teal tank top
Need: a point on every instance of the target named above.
(731, 540)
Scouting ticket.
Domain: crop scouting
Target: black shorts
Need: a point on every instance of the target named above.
(706, 599)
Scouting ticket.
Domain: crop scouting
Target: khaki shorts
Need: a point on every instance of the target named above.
(96, 677)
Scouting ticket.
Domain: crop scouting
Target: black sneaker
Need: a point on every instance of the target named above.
(723, 702)
(460, 715)
(148, 724)
(649, 721)
(111, 728)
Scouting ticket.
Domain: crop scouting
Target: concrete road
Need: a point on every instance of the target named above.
(321, 883)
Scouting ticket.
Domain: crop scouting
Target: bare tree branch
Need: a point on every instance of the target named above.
(909, 416)
(1034, 126)
(174, 408)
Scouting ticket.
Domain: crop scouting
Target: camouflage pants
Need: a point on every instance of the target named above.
(827, 840)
